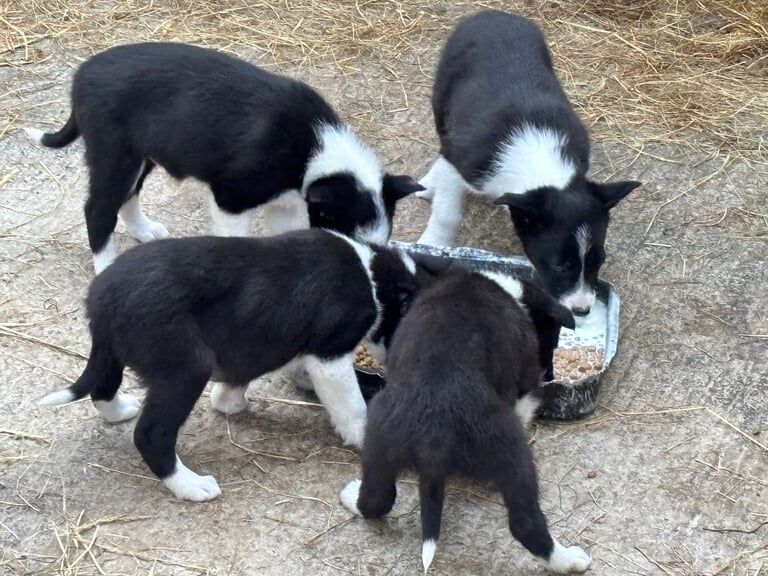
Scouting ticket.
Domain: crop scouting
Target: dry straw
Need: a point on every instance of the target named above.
(688, 72)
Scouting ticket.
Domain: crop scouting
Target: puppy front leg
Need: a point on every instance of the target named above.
(447, 204)
(336, 385)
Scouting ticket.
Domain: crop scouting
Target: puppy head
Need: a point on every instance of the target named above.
(346, 188)
(563, 234)
(394, 278)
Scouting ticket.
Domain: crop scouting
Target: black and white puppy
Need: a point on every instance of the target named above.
(181, 312)
(508, 132)
(462, 357)
(255, 138)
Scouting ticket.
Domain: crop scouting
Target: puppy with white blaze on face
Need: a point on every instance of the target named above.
(463, 374)
(508, 132)
(232, 310)
(255, 138)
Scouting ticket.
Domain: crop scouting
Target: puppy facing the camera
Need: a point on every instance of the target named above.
(508, 133)
(254, 137)
(181, 312)
(462, 375)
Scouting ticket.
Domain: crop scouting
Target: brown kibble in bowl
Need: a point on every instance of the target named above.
(363, 359)
(574, 364)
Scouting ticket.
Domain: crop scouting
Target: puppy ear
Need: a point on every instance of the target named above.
(405, 295)
(562, 315)
(612, 192)
(321, 192)
(525, 209)
(432, 265)
(395, 188)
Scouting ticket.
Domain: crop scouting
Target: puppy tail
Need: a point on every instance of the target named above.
(431, 493)
(63, 137)
(96, 370)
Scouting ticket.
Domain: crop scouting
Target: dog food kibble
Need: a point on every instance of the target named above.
(572, 364)
(365, 360)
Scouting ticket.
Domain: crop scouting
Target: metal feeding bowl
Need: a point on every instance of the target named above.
(564, 398)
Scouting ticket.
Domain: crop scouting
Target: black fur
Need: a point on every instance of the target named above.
(245, 132)
(457, 364)
(494, 76)
(182, 311)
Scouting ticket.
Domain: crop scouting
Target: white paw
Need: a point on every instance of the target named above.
(228, 399)
(147, 230)
(525, 408)
(568, 560)
(430, 239)
(102, 259)
(186, 485)
(350, 494)
(122, 407)
(353, 432)
(35, 134)
(426, 194)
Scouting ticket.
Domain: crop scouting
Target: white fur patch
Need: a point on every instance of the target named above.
(186, 485)
(525, 409)
(365, 254)
(35, 134)
(427, 181)
(228, 399)
(341, 150)
(57, 398)
(228, 224)
(511, 286)
(349, 495)
(105, 256)
(410, 264)
(122, 407)
(137, 224)
(568, 560)
(428, 549)
(285, 213)
(448, 189)
(581, 297)
(336, 385)
(530, 157)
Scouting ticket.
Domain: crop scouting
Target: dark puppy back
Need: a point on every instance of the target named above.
(194, 110)
(494, 72)
(301, 292)
(458, 357)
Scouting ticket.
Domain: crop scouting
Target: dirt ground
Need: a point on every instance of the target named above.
(679, 442)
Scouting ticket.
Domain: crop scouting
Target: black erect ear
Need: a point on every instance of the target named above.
(612, 192)
(395, 188)
(405, 296)
(432, 265)
(562, 315)
(322, 191)
(527, 208)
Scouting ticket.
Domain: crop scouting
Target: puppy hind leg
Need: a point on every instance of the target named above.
(111, 180)
(136, 223)
(113, 405)
(173, 390)
(516, 479)
(229, 398)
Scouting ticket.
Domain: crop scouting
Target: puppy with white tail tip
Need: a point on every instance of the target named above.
(472, 346)
(185, 311)
(508, 133)
(254, 137)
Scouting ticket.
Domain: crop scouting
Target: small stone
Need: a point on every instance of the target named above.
(592, 474)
